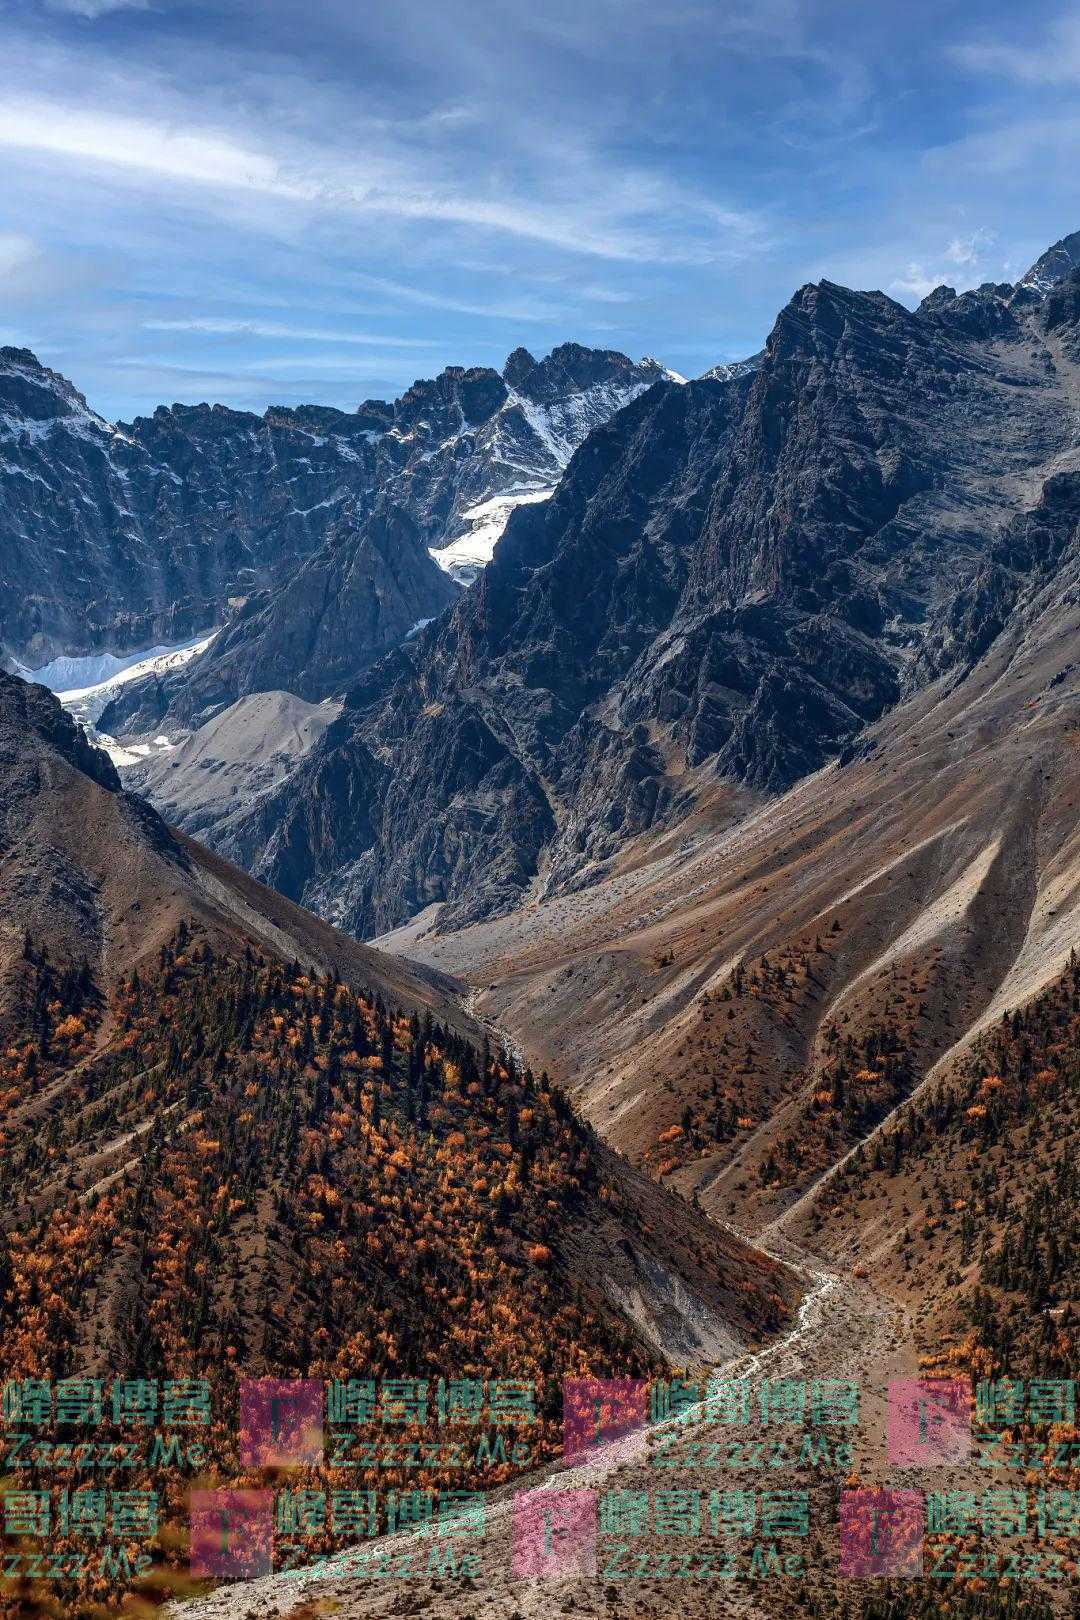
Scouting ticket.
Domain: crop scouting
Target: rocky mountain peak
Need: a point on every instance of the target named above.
(28, 711)
(822, 317)
(31, 392)
(981, 312)
(731, 370)
(433, 404)
(1050, 268)
(20, 357)
(571, 368)
(518, 366)
(167, 522)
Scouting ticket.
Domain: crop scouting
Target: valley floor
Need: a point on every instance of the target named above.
(846, 1329)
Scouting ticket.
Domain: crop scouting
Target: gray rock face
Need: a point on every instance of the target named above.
(733, 578)
(474, 445)
(310, 530)
(359, 595)
(221, 770)
(127, 536)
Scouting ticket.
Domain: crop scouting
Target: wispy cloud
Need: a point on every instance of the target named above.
(1042, 144)
(916, 281)
(180, 151)
(607, 295)
(970, 250)
(248, 388)
(313, 364)
(213, 326)
(489, 309)
(91, 10)
(499, 171)
(963, 264)
(1053, 59)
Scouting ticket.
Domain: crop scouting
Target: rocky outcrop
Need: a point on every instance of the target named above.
(125, 536)
(733, 578)
(27, 708)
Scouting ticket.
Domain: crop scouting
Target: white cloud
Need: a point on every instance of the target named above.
(171, 152)
(962, 264)
(606, 295)
(212, 326)
(180, 151)
(916, 281)
(92, 9)
(1055, 59)
(968, 250)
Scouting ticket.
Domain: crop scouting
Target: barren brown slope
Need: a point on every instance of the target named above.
(893, 903)
(97, 874)
(226, 1151)
(93, 884)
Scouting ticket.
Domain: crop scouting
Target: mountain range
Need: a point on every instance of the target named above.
(367, 521)
(733, 579)
(716, 851)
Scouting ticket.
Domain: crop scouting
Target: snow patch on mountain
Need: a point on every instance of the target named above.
(563, 425)
(71, 677)
(464, 557)
(86, 685)
(128, 753)
(730, 370)
(530, 444)
(1050, 268)
(665, 371)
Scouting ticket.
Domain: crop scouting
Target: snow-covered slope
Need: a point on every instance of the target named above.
(731, 370)
(86, 686)
(481, 526)
(86, 675)
(1050, 268)
(549, 409)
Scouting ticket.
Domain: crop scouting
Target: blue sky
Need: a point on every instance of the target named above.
(266, 201)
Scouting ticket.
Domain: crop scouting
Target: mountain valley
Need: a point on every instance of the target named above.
(650, 947)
